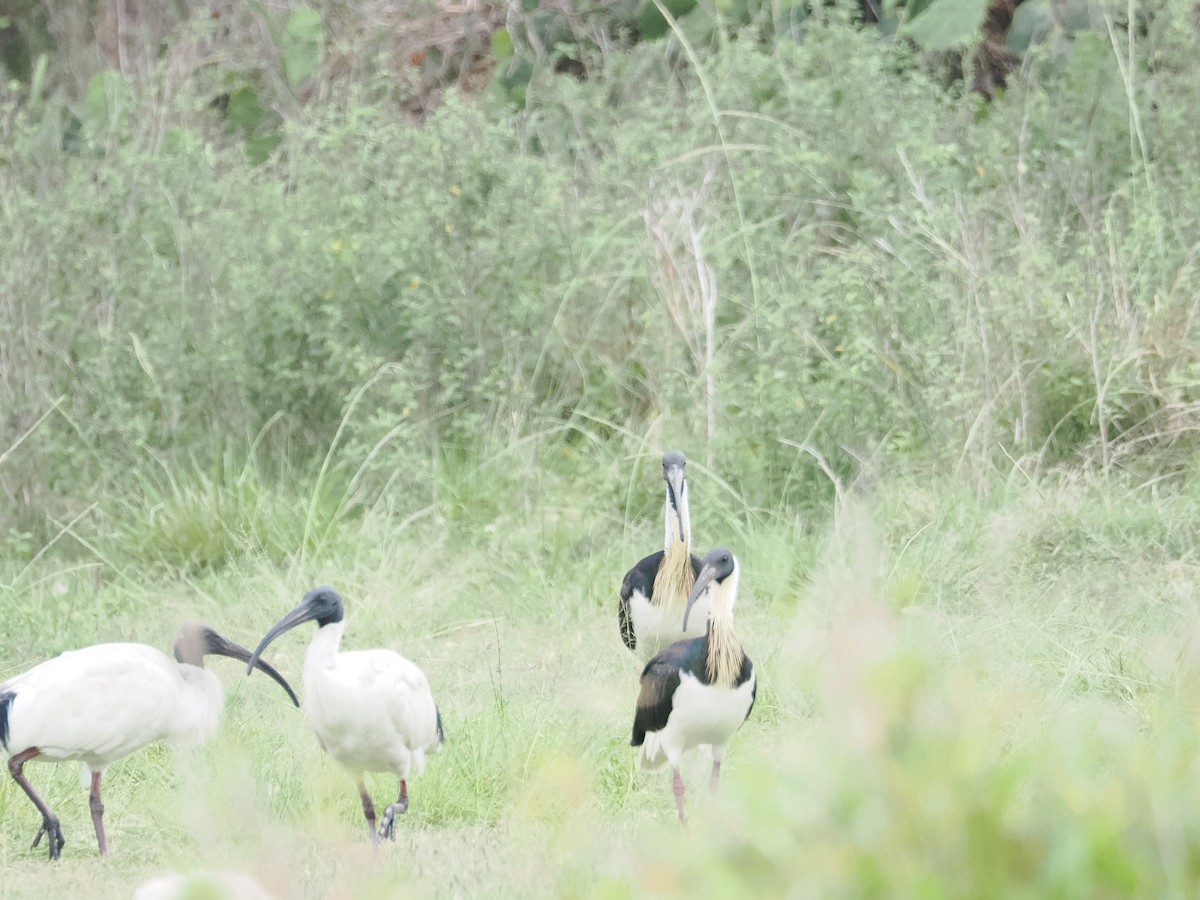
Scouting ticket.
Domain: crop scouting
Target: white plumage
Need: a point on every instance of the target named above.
(698, 691)
(371, 710)
(655, 591)
(657, 627)
(700, 714)
(99, 704)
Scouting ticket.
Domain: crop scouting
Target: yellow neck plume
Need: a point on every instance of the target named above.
(725, 653)
(674, 580)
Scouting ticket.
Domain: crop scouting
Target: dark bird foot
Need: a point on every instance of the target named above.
(54, 837)
(387, 826)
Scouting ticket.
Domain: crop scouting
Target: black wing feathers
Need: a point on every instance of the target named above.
(627, 633)
(639, 578)
(660, 679)
(6, 700)
(659, 682)
(743, 677)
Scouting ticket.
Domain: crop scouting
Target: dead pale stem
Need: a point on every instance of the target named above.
(30, 430)
(1137, 137)
(688, 285)
(707, 280)
(1102, 380)
(968, 253)
(1094, 348)
(822, 463)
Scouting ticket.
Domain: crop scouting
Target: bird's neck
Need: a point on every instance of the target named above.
(322, 651)
(725, 656)
(674, 580)
(197, 720)
(675, 577)
(676, 533)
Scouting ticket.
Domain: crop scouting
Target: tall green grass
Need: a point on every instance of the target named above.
(950, 371)
(957, 697)
(774, 283)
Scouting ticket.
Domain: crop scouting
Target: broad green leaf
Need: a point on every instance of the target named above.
(652, 24)
(107, 94)
(38, 80)
(261, 146)
(913, 8)
(502, 45)
(181, 141)
(244, 112)
(946, 24)
(302, 45)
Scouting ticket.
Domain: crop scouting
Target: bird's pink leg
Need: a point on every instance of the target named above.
(50, 826)
(716, 776)
(368, 811)
(678, 784)
(388, 826)
(98, 813)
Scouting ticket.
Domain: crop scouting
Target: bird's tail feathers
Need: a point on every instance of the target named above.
(441, 734)
(6, 700)
(652, 756)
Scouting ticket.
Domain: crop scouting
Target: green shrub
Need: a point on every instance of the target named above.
(896, 273)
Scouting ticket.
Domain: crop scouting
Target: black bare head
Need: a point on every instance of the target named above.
(675, 474)
(322, 605)
(196, 641)
(718, 564)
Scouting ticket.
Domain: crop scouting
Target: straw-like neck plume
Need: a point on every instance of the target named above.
(725, 653)
(675, 576)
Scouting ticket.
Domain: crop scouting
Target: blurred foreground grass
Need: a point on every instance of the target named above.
(961, 695)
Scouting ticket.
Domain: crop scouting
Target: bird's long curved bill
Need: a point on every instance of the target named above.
(302, 613)
(224, 647)
(703, 580)
(675, 478)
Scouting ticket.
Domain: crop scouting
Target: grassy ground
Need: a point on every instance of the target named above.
(962, 693)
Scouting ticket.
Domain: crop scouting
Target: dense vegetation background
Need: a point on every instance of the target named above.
(412, 301)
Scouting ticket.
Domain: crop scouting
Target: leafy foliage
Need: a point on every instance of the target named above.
(967, 289)
(251, 343)
(944, 24)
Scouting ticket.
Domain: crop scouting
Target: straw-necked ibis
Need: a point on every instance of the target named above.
(371, 710)
(655, 590)
(697, 691)
(103, 702)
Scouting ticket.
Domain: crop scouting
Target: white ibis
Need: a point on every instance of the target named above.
(697, 691)
(655, 590)
(103, 702)
(372, 710)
